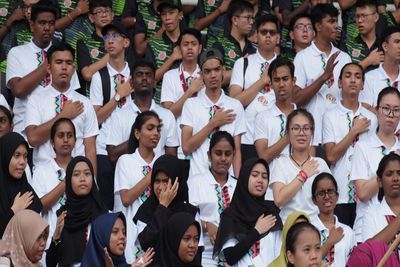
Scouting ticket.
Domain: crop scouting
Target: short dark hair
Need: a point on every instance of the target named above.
(57, 124)
(320, 11)
(296, 18)
(261, 20)
(280, 62)
(389, 31)
(196, 33)
(237, 7)
(355, 64)
(366, 3)
(41, 7)
(60, 47)
(99, 3)
(144, 63)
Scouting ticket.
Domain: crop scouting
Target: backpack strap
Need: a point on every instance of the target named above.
(105, 84)
(245, 64)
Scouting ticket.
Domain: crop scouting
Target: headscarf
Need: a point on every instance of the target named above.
(166, 253)
(291, 220)
(370, 253)
(242, 214)
(173, 168)
(20, 235)
(99, 239)
(81, 211)
(9, 186)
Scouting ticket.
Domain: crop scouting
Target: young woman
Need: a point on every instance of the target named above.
(212, 191)
(6, 118)
(82, 207)
(369, 152)
(337, 239)
(248, 232)
(178, 244)
(133, 172)
(16, 193)
(107, 241)
(303, 246)
(48, 178)
(293, 175)
(24, 239)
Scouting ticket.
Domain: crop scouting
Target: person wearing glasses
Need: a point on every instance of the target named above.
(337, 239)
(369, 152)
(292, 175)
(250, 83)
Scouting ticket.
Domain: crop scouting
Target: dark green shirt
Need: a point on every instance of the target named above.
(148, 20)
(288, 53)
(358, 50)
(287, 5)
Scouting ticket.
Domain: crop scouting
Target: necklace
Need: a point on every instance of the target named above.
(299, 165)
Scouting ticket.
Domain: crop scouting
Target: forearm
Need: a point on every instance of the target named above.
(51, 198)
(234, 254)
(247, 96)
(104, 112)
(287, 192)
(271, 152)
(114, 152)
(90, 152)
(202, 23)
(164, 68)
(389, 232)
(128, 196)
(88, 71)
(303, 96)
(176, 108)
(346, 4)
(365, 63)
(40, 134)
(366, 189)
(65, 21)
(325, 248)
(25, 85)
(171, 150)
(237, 158)
(194, 142)
(335, 152)
(287, 15)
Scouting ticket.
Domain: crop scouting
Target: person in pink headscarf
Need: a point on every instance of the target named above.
(369, 254)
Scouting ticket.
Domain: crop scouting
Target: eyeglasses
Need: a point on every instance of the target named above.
(301, 27)
(329, 193)
(363, 16)
(297, 129)
(103, 12)
(114, 36)
(387, 110)
(264, 32)
(248, 18)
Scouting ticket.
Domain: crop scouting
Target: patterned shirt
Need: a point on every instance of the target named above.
(287, 5)
(358, 50)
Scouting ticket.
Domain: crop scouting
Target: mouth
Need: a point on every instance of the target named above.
(83, 186)
(396, 186)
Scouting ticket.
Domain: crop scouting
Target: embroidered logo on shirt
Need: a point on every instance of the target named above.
(211, 2)
(231, 54)
(3, 12)
(152, 25)
(255, 249)
(162, 55)
(262, 100)
(94, 52)
(331, 98)
(67, 3)
(356, 53)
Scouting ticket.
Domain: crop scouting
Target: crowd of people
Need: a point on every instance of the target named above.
(220, 133)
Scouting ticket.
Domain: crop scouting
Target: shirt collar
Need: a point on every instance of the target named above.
(321, 226)
(211, 180)
(385, 209)
(374, 141)
(220, 102)
(316, 52)
(125, 72)
(142, 161)
(383, 76)
(137, 110)
(36, 49)
(275, 111)
(187, 74)
(346, 110)
(54, 92)
(260, 59)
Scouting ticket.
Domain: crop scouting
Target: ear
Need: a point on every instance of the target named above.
(48, 68)
(290, 256)
(126, 42)
(137, 134)
(31, 25)
(291, 35)
(318, 27)
(180, 15)
(384, 46)
(91, 18)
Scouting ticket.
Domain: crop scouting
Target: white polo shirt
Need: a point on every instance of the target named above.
(205, 193)
(196, 114)
(263, 100)
(336, 125)
(3, 102)
(45, 178)
(375, 219)
(375, 81)
(121, 123)
(343, 248)
(309, 66)
(366, 157)
(21, 61)
(285, 171)
(172, 91)
(42, 107)
(130, 169)
(96, 97)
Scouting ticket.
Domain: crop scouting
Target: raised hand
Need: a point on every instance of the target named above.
(21, 202)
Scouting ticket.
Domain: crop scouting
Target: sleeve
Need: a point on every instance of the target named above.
(367, 94)
(114, 134)
(38, 182)
(278, 173)
(328, 132)
(13, 65)
(237, 73)
(52, 255)
(3, 102)
(194, 191)
(91, 124)
(285, 5)
(323, 167)
(235, 253)
(369, 228)
(260, 127)
(359, 164)
(240, 121)
(83, 55)
(122, 174)
(187, 115)
(32, 114)
(200, 12)
(149, 236)
(168, 88)
(299, 71)
(96, 90)
(172, 133)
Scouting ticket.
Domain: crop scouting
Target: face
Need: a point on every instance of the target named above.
(160, 182)
(143, 81)
(244, 22)
(82, 179)
(115, 42)
(149, 134)
(28, 7)
(283, 83)
(36, 252)
(101, 16)
(212, 74)
(170, 18)
(388, 113)
(326, 196)
(392, 47)
(300, 132)
(221, 157)
(189, 245)
(64, 139)
(258, 180)
(190, 47)
(366, 18)
(267, 36)
(43, 28)
(307, 250)
(5, 124)
(18, 162)
(327, 28)
(61, 68)
(303, 32)
(390, 181)
(351, 82)
(118, 238)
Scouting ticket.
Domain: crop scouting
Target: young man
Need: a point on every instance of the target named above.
(60, 100)
(121, 122)
(250, 83)
(319, 88)
(343, 126)
(209, 112)
(27, 64)
(388, 73)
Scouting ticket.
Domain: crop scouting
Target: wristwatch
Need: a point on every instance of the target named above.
(117, 97)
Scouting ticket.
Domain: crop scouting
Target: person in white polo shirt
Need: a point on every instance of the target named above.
(343, 126)
(250, 83)
(388, 72)
(318, 66)
(209, 112)
(60, 100)
(369, 152)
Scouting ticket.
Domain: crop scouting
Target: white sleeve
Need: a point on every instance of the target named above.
(260, 127)
(168, 89)
(323, 167)
(114, 133)
(91, 125)
(38, 181)
(13, 65)
(240, 121)
(359, 164)
(328, 132)
(96, 90)
(32, 113)
(122, 174)
(172, 133)
(367, 94)
(369, 228)
(237, 73)
(299, 71)
(3, 102)
(278, 173)
(187, 117)
(194, 191)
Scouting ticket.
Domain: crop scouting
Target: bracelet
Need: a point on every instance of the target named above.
(303, 175)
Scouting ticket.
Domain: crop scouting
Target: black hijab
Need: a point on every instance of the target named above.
(166, 253)
(81, 211)
(242, 214)
(173, 168)
(9, 186)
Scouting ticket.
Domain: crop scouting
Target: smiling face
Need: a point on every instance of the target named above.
(118, 238)
(189, 245)
(36, 252)
(82, 179)
(390, 180)
(18, 162)
(258, 180)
